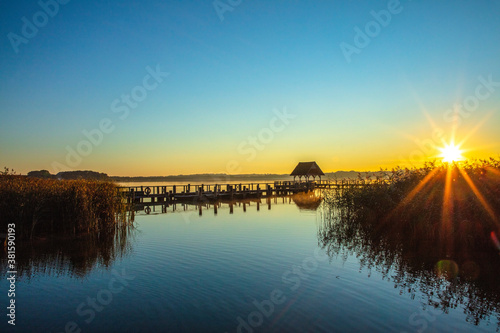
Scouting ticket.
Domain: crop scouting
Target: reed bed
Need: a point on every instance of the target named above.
(456, 206)
(431, 230)
(41, 207)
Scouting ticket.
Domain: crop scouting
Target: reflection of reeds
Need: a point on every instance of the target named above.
(420, 226)
(416, 268)
(70, 256)
(67, 207)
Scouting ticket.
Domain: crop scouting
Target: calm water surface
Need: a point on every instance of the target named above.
(255, 271)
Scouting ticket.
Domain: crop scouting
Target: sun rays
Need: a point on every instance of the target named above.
(456, 181)
(456, 185)
(450, 174)
(452, 205)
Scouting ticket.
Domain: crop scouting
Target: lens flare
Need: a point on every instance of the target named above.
(495, 240)
(447, 269)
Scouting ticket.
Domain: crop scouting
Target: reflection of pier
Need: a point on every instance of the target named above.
(171, 194)
(304, 201)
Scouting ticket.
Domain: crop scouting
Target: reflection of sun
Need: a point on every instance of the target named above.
(451, 153)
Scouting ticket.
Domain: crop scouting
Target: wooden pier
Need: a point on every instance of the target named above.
(169, 194)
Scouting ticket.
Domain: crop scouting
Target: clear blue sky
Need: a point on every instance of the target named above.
(228, 78)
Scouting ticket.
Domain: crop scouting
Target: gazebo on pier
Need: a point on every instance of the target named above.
(307, 169)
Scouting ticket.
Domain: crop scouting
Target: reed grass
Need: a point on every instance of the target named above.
(42, 207)
(456, 206)
(430, 231)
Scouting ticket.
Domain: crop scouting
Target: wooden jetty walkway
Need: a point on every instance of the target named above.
(168, 194)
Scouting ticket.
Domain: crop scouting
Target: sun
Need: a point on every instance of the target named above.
(451, 153)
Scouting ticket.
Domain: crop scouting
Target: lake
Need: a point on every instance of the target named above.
(271, 267)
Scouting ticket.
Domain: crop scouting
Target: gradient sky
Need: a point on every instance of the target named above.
(229, 77)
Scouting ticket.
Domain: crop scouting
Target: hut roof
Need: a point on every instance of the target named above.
(307, 169)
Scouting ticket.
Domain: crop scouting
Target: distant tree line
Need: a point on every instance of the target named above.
(202, 177)
(69, 175)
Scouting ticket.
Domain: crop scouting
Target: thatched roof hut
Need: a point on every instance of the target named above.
(307, 169)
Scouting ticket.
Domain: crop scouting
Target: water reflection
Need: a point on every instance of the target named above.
(71, 257)
(464, 279)
(304, 201)
(78, 257)
(308, 200)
